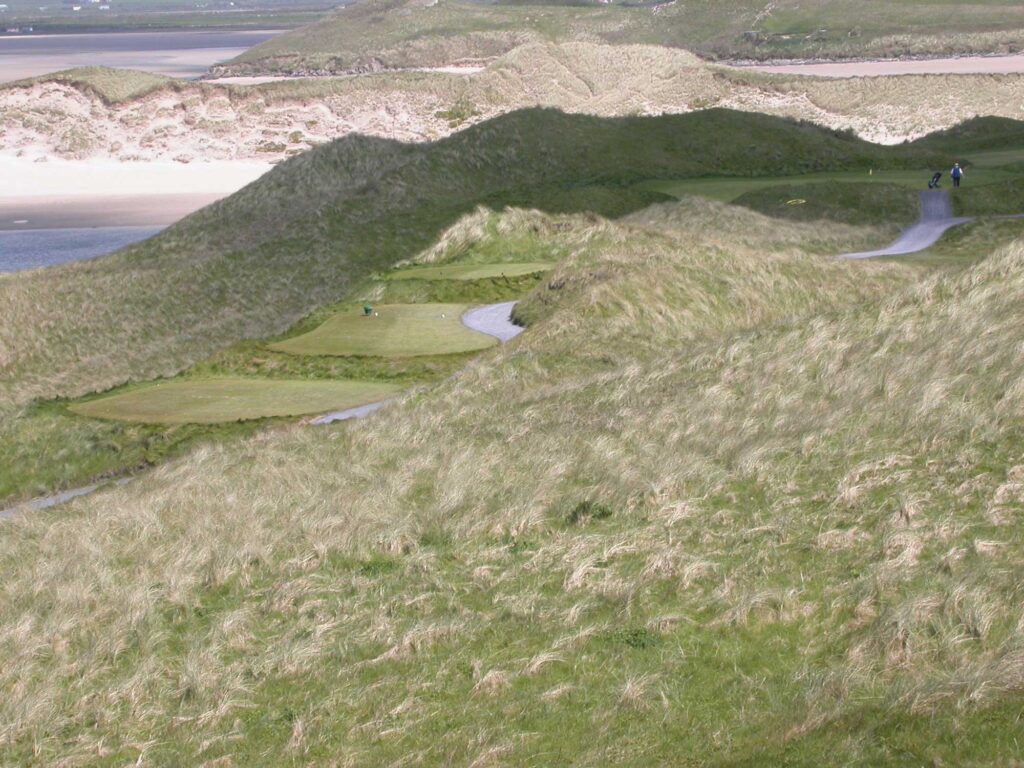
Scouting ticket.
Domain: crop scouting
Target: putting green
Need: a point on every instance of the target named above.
(209, 401)
(395, 330)
(470, 271)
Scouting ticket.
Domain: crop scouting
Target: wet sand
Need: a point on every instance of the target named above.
(25, 213)
(177, 54)
(965, 65)
(106, 193)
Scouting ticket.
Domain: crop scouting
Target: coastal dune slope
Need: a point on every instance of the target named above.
(251, 265)
(103, 114)
(726, 496)
(400, 34)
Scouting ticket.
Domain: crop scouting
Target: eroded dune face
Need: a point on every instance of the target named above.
(199, 123)
(268, 122)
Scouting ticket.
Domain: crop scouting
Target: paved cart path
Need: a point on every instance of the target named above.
(494, 320)
(936, 218)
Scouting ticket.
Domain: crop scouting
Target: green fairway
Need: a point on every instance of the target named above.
(395, 330)
(997, 157)
(209, 401)
(470, 271)
(727, 189)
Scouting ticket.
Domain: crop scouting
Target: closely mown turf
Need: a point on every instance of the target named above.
(215, 400)
(393, 330)
(847, 201)
(731, 188)
(468, 271)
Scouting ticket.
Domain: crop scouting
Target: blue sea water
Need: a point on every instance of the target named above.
(33, 248)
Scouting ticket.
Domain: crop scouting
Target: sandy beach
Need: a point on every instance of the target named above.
(95, 193)
(177, 54)
(24, 213)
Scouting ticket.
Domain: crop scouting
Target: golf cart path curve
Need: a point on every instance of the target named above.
(936, 218)
(494, 320)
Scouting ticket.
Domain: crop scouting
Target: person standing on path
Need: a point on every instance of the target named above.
(956, 174)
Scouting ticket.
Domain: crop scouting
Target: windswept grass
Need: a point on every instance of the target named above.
(725, 498)
(112, 86)
(469, 271)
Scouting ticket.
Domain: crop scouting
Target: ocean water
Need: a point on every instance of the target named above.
(34, 248)
(178, 54)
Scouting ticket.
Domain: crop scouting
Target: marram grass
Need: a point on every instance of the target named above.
(760, 509)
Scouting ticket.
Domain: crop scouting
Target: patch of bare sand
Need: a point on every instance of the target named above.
(962, 65)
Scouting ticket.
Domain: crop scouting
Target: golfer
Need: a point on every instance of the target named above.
(957, 173)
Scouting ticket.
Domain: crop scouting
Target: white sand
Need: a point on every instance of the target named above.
(965, 65)
(261, 79)
(101, 177)
(108, 193)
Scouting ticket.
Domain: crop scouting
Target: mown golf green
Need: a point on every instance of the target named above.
(728, 188)
(393, 330)
(209, 401)
(470, 271)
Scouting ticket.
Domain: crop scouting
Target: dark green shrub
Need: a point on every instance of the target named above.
(588, 510)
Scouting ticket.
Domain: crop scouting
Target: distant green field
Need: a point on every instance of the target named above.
(469, 271)
(214, 400)
(395, 330)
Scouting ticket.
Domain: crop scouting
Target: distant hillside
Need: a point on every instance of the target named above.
(297, 238)
(133, 116)
(390, 34)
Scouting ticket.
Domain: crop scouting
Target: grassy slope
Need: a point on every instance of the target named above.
(112, 86)
(799, 546)
(469, 271)
(850, 202)
(350, 208)
(397, 33)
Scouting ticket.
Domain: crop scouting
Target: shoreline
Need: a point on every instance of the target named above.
(185, 53)
(152, 32)
(72, 194)
(57, 177)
